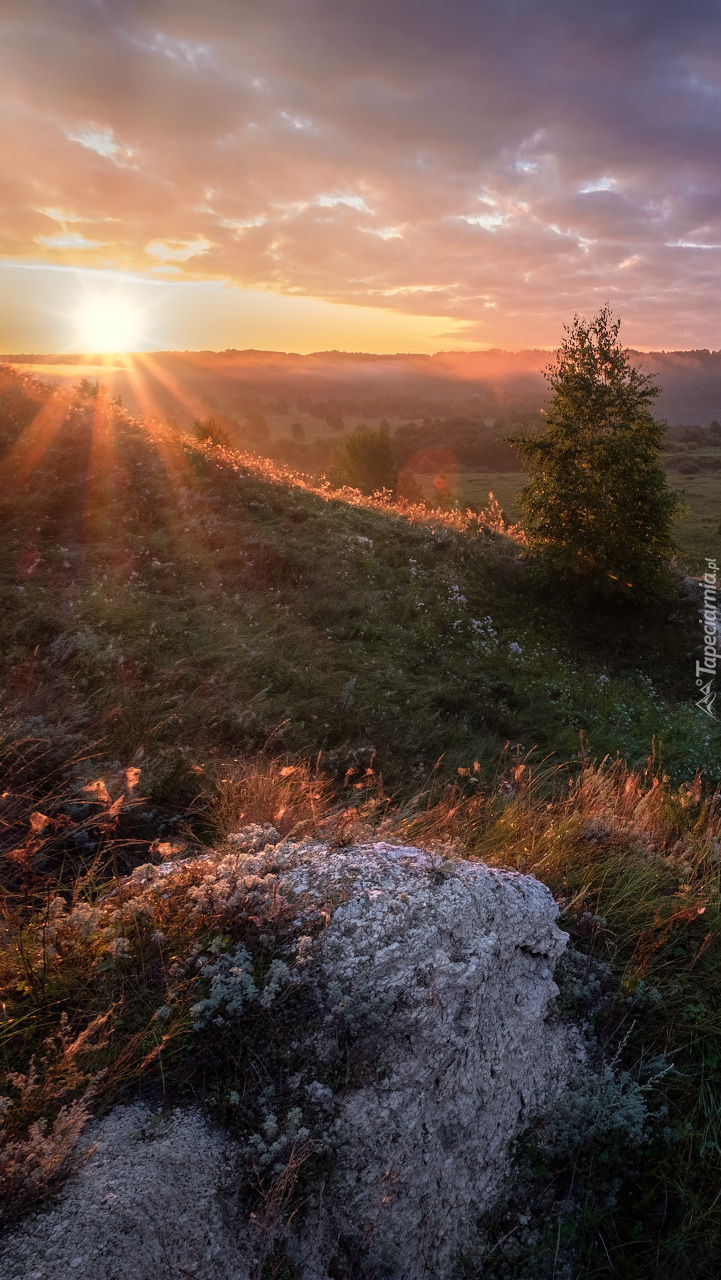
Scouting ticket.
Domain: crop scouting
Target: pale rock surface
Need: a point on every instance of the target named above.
(453, 961)
(467, 1054)
(146, 1204)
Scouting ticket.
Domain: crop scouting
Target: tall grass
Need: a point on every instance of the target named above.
(635, 865)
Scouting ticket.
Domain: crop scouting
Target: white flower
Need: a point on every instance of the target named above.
(484, 627)
(118, 947)
(515, 647)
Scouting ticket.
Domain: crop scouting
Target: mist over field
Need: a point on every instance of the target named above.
(483, 383)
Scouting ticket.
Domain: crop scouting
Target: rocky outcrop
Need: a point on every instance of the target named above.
(447, 969)
(460, 957)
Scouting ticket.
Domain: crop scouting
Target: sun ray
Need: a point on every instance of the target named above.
(147, 403)
(28, 450)
(183, 395)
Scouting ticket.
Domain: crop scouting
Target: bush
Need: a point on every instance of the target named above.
(365, 461)
(210, 429)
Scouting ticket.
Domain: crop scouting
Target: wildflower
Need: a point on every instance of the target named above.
(515, 647)
(484, 627)
(303, 950)
(118, 947)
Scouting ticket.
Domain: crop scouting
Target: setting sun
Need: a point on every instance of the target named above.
(109, 324)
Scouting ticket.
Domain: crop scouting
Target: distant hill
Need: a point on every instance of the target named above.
(486, 384)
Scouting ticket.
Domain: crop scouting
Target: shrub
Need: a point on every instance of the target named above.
(365, 461)
(210, 429)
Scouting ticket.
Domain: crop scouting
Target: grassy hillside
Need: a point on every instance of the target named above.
(193, 639)
(163, 595)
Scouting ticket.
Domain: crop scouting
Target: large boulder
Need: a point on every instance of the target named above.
(460, 958)
(445, 969)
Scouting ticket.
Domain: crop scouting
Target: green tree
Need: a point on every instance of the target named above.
(365, 461)
(597, 510)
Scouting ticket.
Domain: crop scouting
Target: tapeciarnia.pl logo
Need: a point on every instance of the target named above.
(706, 670)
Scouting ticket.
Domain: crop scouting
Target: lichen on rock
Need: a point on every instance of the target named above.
(458, 958)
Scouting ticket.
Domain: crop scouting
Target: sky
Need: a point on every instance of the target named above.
(391, 175)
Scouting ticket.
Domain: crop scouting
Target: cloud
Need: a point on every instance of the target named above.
(68, 240)
(503, 164)
(100, 140)
(177, 250)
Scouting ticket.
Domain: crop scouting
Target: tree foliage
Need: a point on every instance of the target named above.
(365, 461)
(597, 509)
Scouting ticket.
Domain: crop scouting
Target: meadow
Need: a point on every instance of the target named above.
(195, 638)
(698, 531)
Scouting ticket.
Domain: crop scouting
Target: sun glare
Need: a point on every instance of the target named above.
(109, 324)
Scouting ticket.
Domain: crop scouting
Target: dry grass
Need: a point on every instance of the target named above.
(458, 518)
(88, 956)
(293, 798)
(278, 1203)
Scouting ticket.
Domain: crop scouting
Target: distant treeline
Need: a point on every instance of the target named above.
(710, 435)
(469, 442)
(433, 445)
(390, 406)
(490, 384)
(684, 445)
